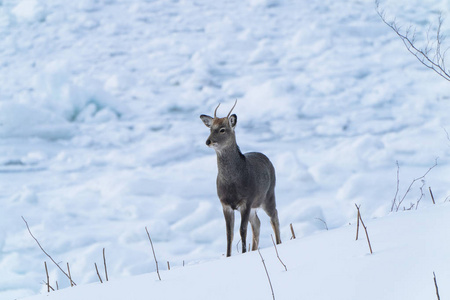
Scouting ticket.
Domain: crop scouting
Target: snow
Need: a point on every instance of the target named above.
(324, 265)
(100, 137)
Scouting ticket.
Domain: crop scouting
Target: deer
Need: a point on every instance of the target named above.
(245, 182)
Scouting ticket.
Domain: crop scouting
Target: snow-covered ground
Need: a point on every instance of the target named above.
(100, 133)
(325, 265)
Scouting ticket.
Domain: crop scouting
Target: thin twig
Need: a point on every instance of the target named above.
(436, 286)
(267, 273)
(446, 132)
(414, 181)
(168, 265)
(325, 223)
(365, 228)
(154, 255)
(437, 64)
(98, 274)
(70, 277)
(398, 183)
(367, 235)
(43, 282)
(104, 262)
(46, 252)
(48, 278)
(421, 193)
(431, 193)
(357, 223)
(292, 231)
(57, 286)
(411, 206)
(276, 250)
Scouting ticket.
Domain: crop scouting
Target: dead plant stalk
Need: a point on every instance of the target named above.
(153, 250)
(48, 255)
(267, 273)
(276, 250)
(365, 228)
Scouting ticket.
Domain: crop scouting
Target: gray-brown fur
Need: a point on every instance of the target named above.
(244, 181)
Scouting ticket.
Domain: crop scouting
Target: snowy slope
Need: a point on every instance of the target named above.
(100, 133)
(408, 248)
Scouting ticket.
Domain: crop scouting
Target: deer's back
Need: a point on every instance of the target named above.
(261, 170)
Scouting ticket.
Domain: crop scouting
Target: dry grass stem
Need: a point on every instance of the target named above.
(365, 228)
(276, 250)
(397, 206)
(48, 278)
(26, 223)
(398, 184)
(153, 250)
(292, 231)
(70, 277)
(357, 223)
(104, 262)
(98, 274)
(267, 273)
(431, 193)
(436, 286)
(324, 223)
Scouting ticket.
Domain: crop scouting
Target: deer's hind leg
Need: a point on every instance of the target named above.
(271, 210)
(256, 224)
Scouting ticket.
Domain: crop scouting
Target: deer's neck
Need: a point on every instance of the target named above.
(230, 162)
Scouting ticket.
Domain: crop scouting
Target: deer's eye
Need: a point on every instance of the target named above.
(222, 130)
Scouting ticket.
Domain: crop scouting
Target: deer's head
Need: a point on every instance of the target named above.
(222, 129)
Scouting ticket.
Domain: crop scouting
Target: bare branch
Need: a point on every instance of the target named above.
(276, 250)
(104, 262)
(436, 63)
(436, 286)
(48, 278)
(421, 193)
(396, 192)
(446, 132)
(357, 223)
(324, 223)
(267, 273)
(431, 193)
(71, 281)
(414, 181)
(43, 282)
(70, 277)
(365, 228)
(154, 255)
(292, 231)
(98, 274)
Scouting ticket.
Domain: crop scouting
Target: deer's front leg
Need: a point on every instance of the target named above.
(228, 213)
(245, 215)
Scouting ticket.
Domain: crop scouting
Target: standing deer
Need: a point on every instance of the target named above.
(244, 181)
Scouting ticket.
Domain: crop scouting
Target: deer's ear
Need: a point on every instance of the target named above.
(207, 120)
(233, 120)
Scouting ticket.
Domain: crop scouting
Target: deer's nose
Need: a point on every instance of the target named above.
(208, 142)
